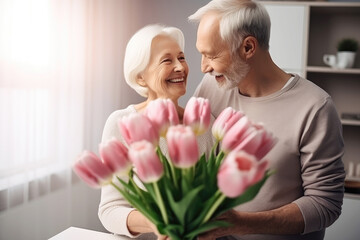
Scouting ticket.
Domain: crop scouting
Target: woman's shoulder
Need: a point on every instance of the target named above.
(111, 125)
(122, 112)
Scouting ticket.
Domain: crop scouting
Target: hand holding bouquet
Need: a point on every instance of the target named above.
(184, 192)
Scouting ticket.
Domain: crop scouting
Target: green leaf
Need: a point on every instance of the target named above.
(248, 195)
(181, 207)
(201, 215)
(207, 227)
(174, 231)
(140, 205)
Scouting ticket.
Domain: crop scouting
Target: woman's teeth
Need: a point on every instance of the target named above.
(176, 80)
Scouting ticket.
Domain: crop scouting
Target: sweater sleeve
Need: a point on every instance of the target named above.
(113, 209)
(321, 150)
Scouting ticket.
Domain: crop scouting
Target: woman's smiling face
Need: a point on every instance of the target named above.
(166, 74)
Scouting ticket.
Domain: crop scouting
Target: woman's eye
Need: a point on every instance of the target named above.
(181, 59)
(167, 60)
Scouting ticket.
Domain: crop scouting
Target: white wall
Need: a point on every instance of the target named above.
(43, 217)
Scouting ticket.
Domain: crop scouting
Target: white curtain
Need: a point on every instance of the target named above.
(60, 77)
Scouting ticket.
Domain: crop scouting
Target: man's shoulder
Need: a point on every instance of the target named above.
(310, 88)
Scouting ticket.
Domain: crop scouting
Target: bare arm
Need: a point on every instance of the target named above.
(284, 220)
(137, 223)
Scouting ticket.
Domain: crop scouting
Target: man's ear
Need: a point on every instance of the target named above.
(140, 80)
(249, 46)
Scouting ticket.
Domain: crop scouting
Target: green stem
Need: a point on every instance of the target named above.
(116, 186)
(189, 174)
(172, 169)
(161, 203)
(215, 146)
(141, 195)
(219, 158)
(214, 206)
(173, 173)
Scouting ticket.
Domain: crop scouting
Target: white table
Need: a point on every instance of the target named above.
(74, 233)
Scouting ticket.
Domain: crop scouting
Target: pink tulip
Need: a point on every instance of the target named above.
(92, 170)
(182, 145)
(248, 137)
(239, 171)
(197, 115)
(236, 134)
(114, 154)
(227, 118)
(268, 141)
(162, 113)
(136, 127)
(148, 165)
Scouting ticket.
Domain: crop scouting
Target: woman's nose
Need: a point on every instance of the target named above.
(179, 67)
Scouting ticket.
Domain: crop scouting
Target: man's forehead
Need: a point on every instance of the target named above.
(209, 23)
(208, 35)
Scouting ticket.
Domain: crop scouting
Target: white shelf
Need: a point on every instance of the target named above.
(350, 122)
(315, 4)
(352, 196)
(333, 70)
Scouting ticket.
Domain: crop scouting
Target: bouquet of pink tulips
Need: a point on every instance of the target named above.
(183, 192)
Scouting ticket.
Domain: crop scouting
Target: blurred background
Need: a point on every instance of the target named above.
(61, 75)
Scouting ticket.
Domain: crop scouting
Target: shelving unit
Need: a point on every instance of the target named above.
(328, 23)
(318, 27)
(301, 33)
(350, 122)
(322, 69)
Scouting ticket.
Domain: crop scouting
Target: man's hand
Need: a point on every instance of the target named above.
(287, 219)
(231, 217)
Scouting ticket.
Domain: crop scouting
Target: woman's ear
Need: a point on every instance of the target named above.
(140, 80)
(249, 46)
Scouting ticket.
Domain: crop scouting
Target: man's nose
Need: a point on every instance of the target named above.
(205, 66)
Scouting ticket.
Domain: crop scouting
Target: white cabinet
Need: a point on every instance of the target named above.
(347, 227)
(287, 38)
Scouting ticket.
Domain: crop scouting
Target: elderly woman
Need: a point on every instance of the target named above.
(155, 67)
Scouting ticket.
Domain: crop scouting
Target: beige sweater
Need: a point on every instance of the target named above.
(307, 157)
(113, 209)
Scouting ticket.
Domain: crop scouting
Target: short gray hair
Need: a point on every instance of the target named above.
(238, 19)
(138, 50)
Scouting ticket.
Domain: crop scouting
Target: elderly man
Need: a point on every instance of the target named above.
(305, 194)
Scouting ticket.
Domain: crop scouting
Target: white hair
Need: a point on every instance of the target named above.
(238, 19)
(138, 50)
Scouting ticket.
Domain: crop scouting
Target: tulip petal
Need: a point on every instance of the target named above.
(136, 127)
(114, 154)
(197, 115)
(227, 118)
(182, 146)
(236, 134)
(92, 170)
(147, 164)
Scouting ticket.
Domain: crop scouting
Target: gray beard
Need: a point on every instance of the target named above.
(237, 72)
